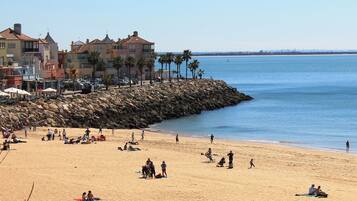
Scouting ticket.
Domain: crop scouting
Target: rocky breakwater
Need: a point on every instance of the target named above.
(135, 107)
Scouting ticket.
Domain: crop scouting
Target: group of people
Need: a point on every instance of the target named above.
(51, 134)
(315, 192)
(88, 196)
(148, 170)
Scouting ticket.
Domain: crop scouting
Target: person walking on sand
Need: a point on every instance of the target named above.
(230, 160)
(26, 130)
(212, 137)
(132, 137)
(163, 169)
(177, 138)
(100, 130)
(251, 163)
(347, 146)
(142, 134)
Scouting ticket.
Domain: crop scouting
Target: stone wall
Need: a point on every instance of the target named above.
(123, 108)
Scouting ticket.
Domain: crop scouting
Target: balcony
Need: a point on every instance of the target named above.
(26, 50)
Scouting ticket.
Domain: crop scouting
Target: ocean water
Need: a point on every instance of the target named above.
(308, 101)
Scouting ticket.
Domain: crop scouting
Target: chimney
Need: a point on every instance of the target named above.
(72, 43)
(17, 28)
(136, 34)
(87, 41)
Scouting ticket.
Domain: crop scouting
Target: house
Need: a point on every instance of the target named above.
(3, 51)
(21, 49)
(108, 49)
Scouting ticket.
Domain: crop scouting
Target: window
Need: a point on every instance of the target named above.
(11, 45)
(2, 45)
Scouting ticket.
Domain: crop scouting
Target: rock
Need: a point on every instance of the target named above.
(136, 107)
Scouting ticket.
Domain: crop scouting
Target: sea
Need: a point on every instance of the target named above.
(308, 101)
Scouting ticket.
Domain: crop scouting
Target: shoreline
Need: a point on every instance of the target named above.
(268, 142)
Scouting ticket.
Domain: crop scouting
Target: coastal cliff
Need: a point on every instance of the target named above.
(135, 107)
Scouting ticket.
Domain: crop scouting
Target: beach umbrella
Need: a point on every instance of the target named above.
(4, 94)
(50, 90)
(23, 92)
(12, 90)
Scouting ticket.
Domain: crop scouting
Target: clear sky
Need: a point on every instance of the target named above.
(199, 25)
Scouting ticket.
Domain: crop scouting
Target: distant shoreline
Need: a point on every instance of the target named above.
(273, 53)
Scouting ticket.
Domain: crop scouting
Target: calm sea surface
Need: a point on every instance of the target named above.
(303, 100)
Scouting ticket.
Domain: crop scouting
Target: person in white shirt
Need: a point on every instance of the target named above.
(312, 190)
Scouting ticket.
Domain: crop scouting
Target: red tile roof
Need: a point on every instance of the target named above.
(10, 34)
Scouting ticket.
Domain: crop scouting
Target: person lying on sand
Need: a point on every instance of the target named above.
(15, 139)
(133, 143)
(130, 148)
(124, 148)
(221, 162)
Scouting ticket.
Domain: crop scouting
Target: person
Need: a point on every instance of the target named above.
(230, 160)
(34, 128)
(132, 137)
(347, 146)
(26, 130)
(64, 134)
(312, 190)
(142, 134)
(320, 193)
(90, 196)
(53, 134)
(49, 134)
(100, 130)
(84, 196)
(152, 169)
(177, 138)
(251, 163)
(163, 169)
(221, 162)
(113, 131)
(208, 154)
(212, 137)
(87, 132)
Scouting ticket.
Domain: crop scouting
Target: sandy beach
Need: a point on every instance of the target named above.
(64, 172)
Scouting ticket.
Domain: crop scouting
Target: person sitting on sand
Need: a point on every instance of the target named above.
(221, 162)
(87, 132)
(5, 145)
(43, 138)
(64, 134)
(312, 190)
(163, 169)
(84, 196)
(90, 196)
(49, 134)
(320, 193)
(208, 154)
(251, 163)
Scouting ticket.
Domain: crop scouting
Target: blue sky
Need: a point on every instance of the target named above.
(199, 25)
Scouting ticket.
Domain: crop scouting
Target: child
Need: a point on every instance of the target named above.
(163, 168)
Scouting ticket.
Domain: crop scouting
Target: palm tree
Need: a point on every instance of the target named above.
(169, 60)
(140, 64)
(200, 73)
(118, 63)
(150, 64)
(162, 61)
(129, 63)
(193, 66)
(107, 80)
(178, 61)
(187, 57)
(93, 59)
(101, 65)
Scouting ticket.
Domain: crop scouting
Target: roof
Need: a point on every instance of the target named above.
(83, 49)
(1, 36)
(49, 39)
(135, 40)
(42, 41)
(10, 34)
(78, 43)
(107, 39)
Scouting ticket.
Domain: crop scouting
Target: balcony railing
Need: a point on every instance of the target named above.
(31, 50)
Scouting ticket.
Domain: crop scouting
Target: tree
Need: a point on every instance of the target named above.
(193, 66)
(162, 61)
(140, 64)
(93, 59)
(130, 63)
(107, 80)
(187, 57)
(169, 60)
(200, 73)
(178, 61)
(118, 63)
(101, 65)
(150, 64)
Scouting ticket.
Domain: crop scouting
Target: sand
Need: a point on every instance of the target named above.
(63, 172)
